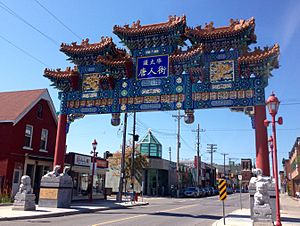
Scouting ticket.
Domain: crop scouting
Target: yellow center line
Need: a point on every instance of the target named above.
(178, 208)
(128, 218)
(122, 219)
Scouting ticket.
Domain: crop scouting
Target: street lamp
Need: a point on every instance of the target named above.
(270, 141)
(273, 105)
(94, 155)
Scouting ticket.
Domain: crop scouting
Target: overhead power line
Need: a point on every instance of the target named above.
(295, 103)
(57, 19)
(24, 51)
(186, 143)
(10, 11)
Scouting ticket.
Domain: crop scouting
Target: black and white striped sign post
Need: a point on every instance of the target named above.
(222, 194)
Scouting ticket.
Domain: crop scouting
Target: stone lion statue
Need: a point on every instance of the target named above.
(55, 172)
(262, 183)
(25, 186)
(65, 171)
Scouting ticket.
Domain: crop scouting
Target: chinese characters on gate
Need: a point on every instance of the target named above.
(152, 67)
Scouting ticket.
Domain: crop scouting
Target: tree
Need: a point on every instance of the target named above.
(140, 162)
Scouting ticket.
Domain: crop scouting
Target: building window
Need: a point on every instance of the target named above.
(28, 136)
(40, 111)
(44, 138)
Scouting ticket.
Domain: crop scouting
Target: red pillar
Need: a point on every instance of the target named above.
(261, 138)
(60, 146)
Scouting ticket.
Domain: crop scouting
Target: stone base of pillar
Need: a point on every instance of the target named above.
(56, 191)
(24, 202)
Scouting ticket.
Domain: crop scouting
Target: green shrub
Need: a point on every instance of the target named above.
(5, 195)
(5, 198)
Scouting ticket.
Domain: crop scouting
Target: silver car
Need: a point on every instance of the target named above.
(192, 192)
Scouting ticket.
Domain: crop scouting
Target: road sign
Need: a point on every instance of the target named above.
(223, 195)
(240, 177)
(222, 189)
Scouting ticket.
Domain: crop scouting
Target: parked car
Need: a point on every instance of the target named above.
(207, 191)
(237, 190)
(229, 190)
(245, 190)
(213, 191)
(216, 191)
(202, 192)
(192, 192)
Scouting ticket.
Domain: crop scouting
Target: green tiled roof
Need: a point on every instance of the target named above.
(150, 146)
(150, 138)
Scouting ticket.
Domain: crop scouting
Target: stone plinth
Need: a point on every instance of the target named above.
(56, 191)
(262, 214)
(25, 202)
(262, 199)
(272, 196)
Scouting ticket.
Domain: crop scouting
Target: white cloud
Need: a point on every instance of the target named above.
(290, 24)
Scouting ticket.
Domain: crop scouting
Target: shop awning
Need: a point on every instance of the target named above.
(84, 169)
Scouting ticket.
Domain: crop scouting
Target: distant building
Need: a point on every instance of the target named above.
(292, 169)
(282, 186)
(28, 125)
(160, 174)
(286, 180)
(246, 172)
(81, 172)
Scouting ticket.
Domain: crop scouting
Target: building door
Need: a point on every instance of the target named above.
(37, 181)
(16, 181)
(30, 172)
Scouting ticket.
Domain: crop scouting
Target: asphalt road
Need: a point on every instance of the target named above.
(160, 211)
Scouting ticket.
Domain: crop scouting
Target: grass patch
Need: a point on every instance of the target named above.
(4, 198)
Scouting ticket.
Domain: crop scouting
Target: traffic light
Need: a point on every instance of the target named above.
(136, 137)
(107, 154)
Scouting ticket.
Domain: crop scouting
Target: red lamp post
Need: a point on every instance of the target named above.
(273, 105)
(94, 155)
(270, 140)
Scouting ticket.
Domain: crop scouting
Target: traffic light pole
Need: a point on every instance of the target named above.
(211, 148)
(179, 116)
(132, 156)
(224, 154)
(121, 182)
(198, 162)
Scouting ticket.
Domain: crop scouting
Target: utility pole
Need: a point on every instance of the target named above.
(179, 116)
(224, 154)
(119, 198)
(132, 156)
(170, 154)
(198, 162)
(211, 148)
(230, 164)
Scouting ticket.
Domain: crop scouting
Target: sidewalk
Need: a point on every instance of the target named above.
(6, 212)
(290, 214)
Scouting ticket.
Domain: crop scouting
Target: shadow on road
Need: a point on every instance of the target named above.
(290, 219)
(202, 216)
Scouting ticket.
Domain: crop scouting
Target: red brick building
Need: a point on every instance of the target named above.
(28, 126)
(292, 169)
(246, 172)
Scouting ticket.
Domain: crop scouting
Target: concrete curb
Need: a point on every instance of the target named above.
(69, 213)
(6, 204)
(296, 199)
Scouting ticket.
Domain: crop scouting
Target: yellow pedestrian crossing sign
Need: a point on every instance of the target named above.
(222, 189)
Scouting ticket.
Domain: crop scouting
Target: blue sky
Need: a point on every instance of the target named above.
(276, 22)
